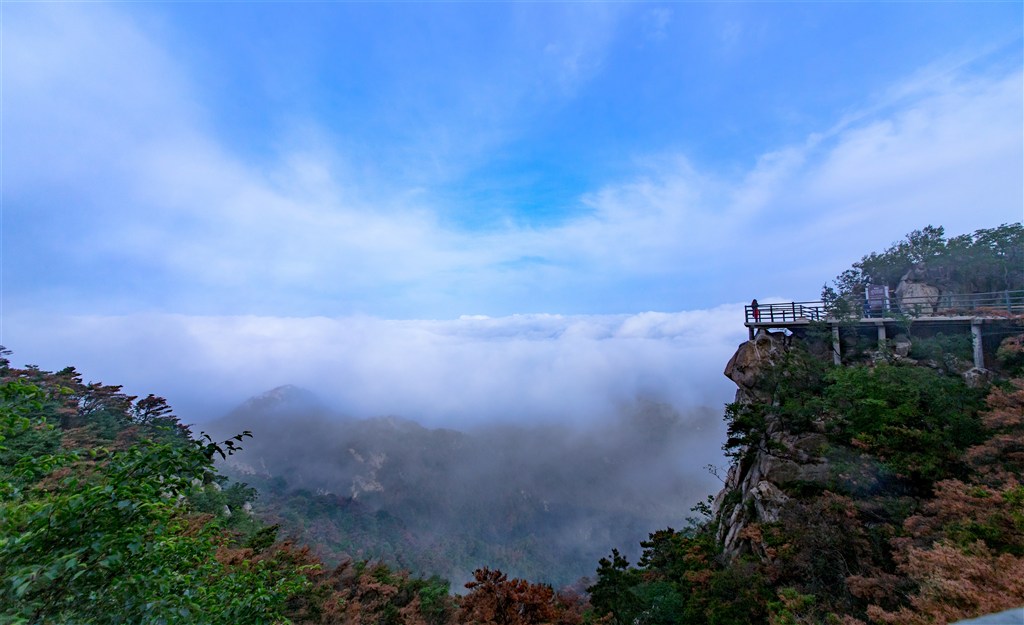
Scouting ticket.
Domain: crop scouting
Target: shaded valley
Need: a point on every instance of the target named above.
(541, 501)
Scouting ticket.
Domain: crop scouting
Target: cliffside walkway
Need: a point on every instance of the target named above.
(960, 311)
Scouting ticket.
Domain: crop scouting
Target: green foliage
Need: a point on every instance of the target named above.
(227, 501)
(792, 387)
(939, 346)
(791, 608)
(988, 260)
(946, 350)
(614, 593)
(262, 539)
(1010, 354)
(679, 581)
(106, 536)
(746, 426)
(24, 430)
(434, 599)
(917, 421)
(920, 246)
(662, 602)
(844, 303)
(737, 595)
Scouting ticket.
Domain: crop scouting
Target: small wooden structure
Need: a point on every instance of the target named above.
(960, 311)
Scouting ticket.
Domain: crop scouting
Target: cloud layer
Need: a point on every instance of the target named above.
(535, 368)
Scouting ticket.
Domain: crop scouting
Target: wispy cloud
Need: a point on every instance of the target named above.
(656, 22)
(122, 180)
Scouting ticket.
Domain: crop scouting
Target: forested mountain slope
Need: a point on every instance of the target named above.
(541, 501)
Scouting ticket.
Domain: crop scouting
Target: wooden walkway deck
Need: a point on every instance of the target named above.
(969, 310)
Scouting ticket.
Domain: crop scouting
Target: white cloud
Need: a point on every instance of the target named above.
(952, 155)
(553, 368)
(78, 95)
(152, 187)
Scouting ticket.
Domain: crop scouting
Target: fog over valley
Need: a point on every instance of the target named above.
(535, 443)
(538, 500)
(563, 369)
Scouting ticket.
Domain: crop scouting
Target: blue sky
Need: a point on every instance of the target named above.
(165, 164)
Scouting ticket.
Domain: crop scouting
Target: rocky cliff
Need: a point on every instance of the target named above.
(784, 456)
(754, 487)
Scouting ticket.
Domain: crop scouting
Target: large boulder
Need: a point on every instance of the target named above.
(976, 377)
(752, 357)
(902, 345)
(915, 296)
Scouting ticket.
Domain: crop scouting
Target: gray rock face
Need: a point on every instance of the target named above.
(752, 357)
(768, 501)
(916, 296)
(977, 378)
(754, 489)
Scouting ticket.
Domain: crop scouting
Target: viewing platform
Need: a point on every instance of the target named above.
(890, 316)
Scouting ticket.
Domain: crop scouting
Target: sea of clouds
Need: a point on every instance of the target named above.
(453, 373)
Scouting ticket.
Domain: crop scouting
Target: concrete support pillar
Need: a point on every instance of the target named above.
(836, 346)
(750, 332)
(881, 336)
(979, 354)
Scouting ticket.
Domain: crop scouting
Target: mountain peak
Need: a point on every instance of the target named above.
(279, 399)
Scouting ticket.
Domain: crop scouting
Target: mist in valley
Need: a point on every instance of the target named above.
(539, 500)
(535, 443)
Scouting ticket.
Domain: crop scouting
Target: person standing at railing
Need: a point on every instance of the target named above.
(755, 311)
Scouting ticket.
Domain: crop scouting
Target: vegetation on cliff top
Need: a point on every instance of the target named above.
(988, 260)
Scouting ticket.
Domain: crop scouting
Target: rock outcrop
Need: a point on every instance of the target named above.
(917, 298)
(752, 358)
(754, 489)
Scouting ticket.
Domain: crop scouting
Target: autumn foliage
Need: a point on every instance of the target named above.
(494, 599)
(964, 551)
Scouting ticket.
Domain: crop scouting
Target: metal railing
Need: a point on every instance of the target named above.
(786, 313)
(996, 304)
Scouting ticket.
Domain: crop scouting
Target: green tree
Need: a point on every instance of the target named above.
(988, 260)
(107, 536)
(615, 590)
